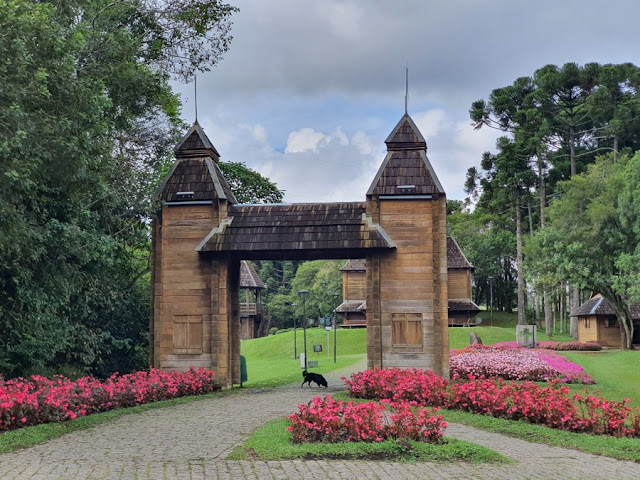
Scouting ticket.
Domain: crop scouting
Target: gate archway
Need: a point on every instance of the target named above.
(201, 234)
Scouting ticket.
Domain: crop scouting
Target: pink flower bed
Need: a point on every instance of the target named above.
(328, 420)
(517, 364)
(550, 405)
(36, 400)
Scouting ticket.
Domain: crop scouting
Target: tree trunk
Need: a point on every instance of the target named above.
(574, 293)
(615, 149)
(521, 315)
(626, 322)
(548, 311)
(572, 146)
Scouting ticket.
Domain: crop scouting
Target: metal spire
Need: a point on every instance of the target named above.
(406, 91)
(195, 94)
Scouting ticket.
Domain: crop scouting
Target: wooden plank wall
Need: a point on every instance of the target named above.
(181, 285)
(590, 333)
(459, 283)
(410, 280)
(354, 285)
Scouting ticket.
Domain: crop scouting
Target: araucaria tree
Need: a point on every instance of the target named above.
(87, 121)
(557, 122)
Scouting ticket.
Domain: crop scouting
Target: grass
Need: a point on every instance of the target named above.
(616, 372)
(273, 442)
(270, 359)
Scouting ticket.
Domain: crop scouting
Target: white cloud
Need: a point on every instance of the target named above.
(304, 140)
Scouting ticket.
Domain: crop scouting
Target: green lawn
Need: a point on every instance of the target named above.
(616, 371)
(273, 442)
(270, 359)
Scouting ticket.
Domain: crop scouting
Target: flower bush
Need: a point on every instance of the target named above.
(37, 399)
(517, 364)
(330, 421)
(580, 346)
(551, 405)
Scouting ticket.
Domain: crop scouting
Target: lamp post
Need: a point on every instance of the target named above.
(335, 325)
(303, 295)
(295, 341)
(490, 280)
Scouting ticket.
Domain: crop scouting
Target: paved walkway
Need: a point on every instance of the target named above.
(191, 442)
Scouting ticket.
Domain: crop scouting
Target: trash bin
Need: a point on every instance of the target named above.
(243, 370)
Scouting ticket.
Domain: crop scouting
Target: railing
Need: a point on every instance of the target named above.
(251, 309)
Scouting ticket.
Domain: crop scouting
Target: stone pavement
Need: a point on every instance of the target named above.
(191, 442)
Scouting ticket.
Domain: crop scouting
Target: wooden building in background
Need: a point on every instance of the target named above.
(201, 234)
(462, 309)
(353, 309)
(253, 312)
(598, 322)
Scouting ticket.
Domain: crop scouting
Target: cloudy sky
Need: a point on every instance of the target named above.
(310, 89)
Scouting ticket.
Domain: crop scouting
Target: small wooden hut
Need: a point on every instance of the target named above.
(459, 270)
(598, 322)
(252, 310)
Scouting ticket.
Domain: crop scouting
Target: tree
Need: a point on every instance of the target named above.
(249, 186)
(505, 183)
(489, 245)
(87, 121)
(588, 241)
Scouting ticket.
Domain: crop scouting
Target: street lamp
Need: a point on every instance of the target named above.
(295, 341)
(303, 296)
(335, 325)
(490, 280)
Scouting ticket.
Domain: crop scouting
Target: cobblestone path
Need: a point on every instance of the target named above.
(191, 442)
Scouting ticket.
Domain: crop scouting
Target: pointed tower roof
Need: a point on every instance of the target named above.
(195, 143)
(195, 176)
(406, 170)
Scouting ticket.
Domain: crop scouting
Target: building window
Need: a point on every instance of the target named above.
(187, 334)
(612, 323)
(587, 322)
(406, 329)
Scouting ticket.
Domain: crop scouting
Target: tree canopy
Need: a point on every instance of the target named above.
(87, 122)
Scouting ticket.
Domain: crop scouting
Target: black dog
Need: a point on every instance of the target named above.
(314, 377)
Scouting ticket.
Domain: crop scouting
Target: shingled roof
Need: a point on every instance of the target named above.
(455, 258)
(598, 305)
(351, 306)
(406, 170)
(249, 277)
(462, 305)
(355, 265)
(278, 230)
(195, 173)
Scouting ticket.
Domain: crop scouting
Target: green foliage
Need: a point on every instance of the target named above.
(489, 245)
(87, 121)
(249, 186)
(591, 237)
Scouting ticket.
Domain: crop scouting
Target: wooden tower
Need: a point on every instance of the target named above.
(407, 287)
(192, 307)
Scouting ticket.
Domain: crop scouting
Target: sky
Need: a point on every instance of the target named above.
(310, 89)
